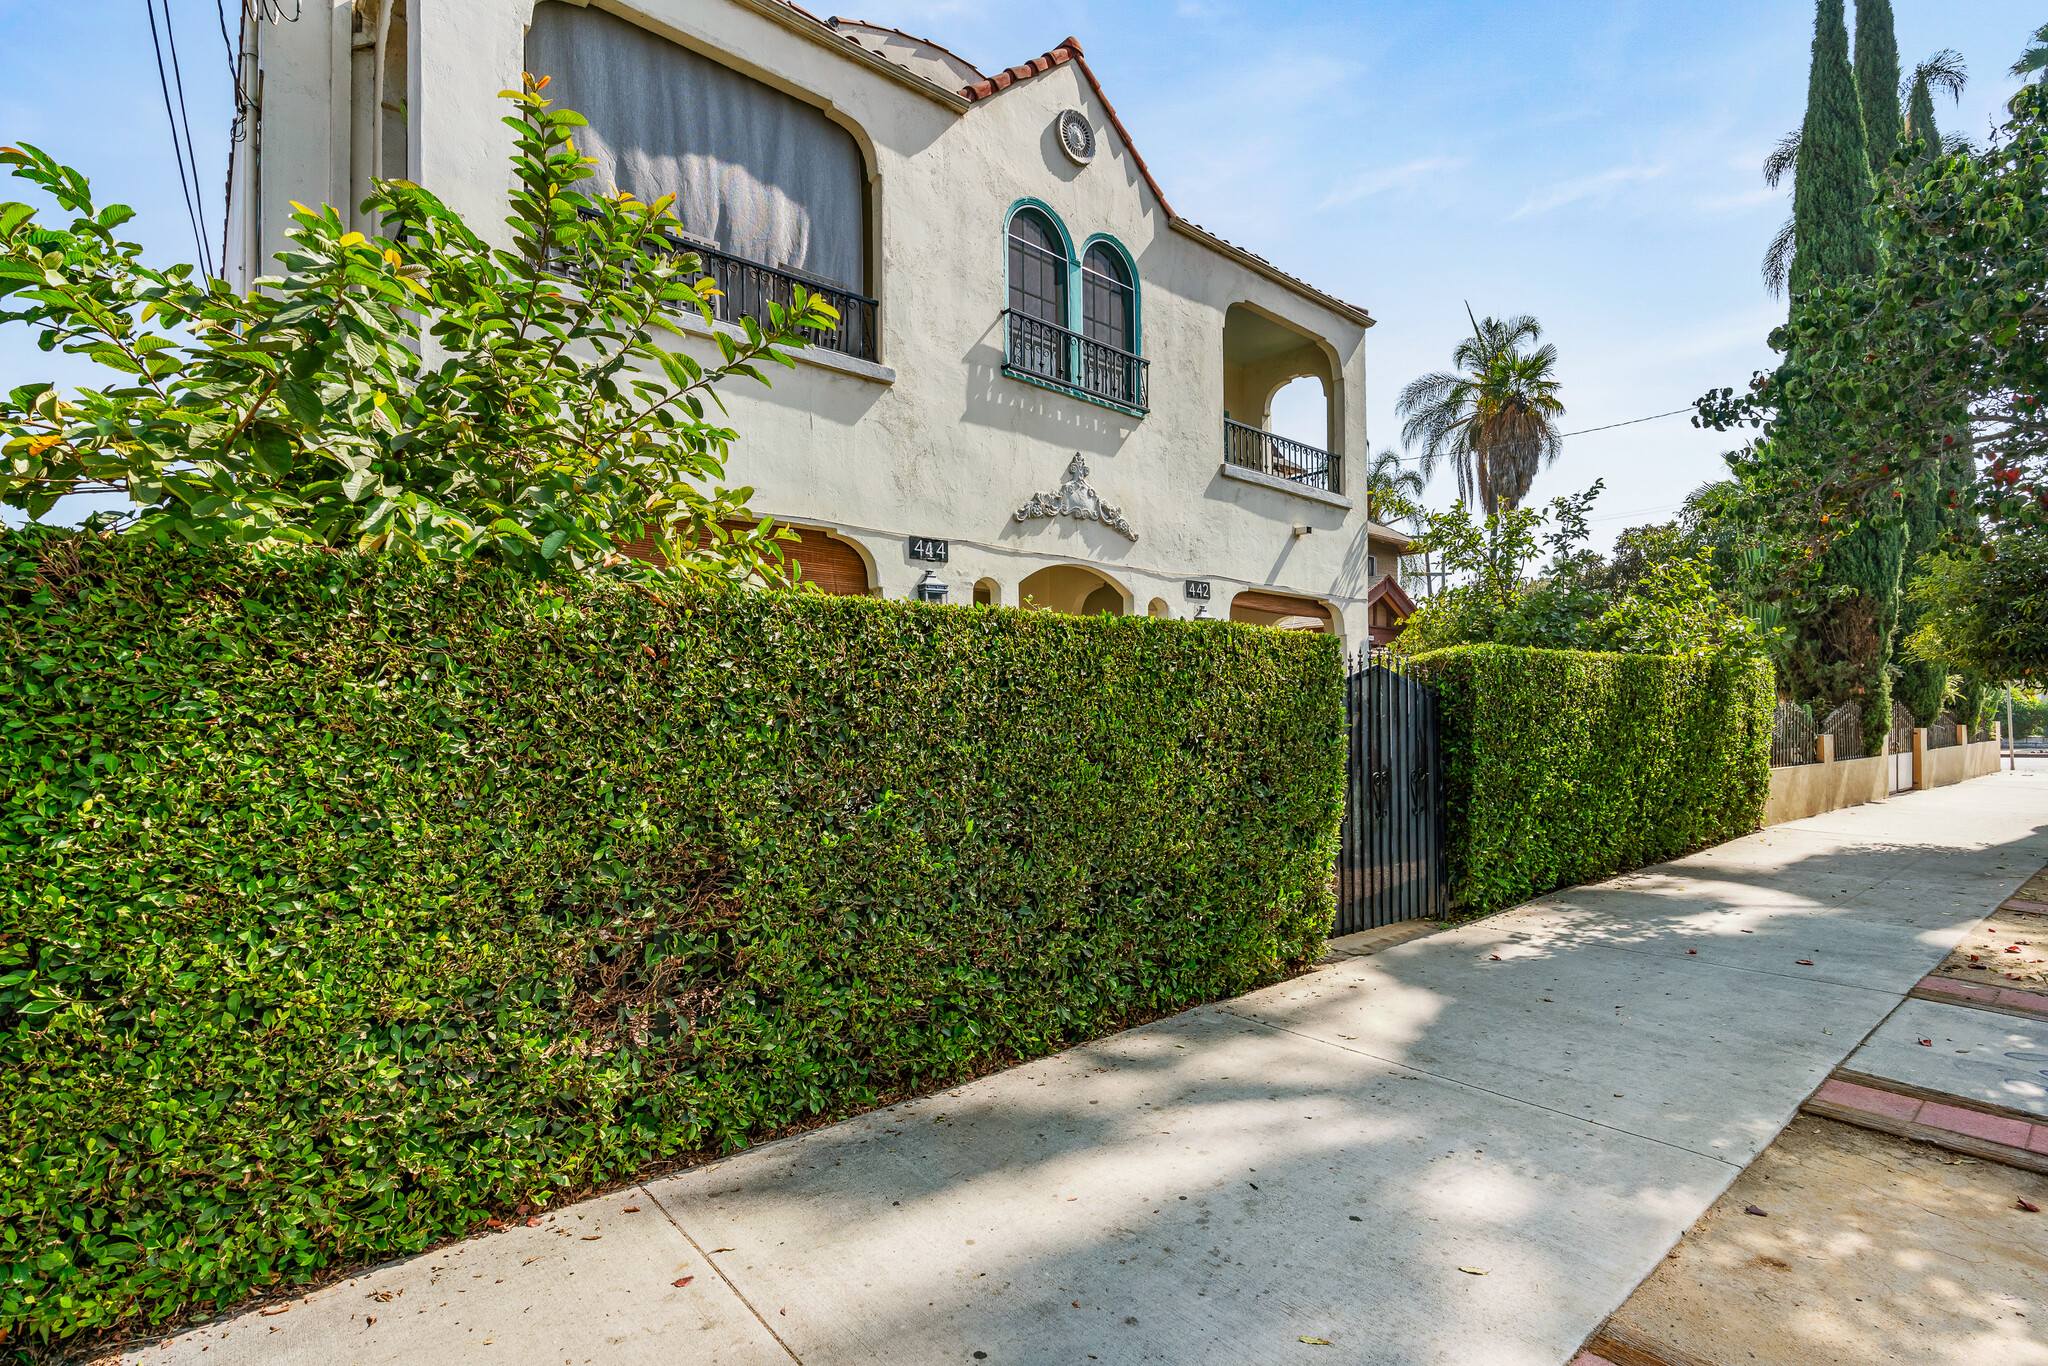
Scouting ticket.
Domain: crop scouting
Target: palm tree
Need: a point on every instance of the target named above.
(1943, 71)
(1494, 419)
(2034, 58)
(1390, 490)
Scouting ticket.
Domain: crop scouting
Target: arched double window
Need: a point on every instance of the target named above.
(1094, 354)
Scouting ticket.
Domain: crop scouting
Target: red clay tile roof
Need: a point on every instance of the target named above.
(836, 20)
(1069, 50)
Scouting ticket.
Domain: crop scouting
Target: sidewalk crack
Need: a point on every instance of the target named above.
(736, 1292)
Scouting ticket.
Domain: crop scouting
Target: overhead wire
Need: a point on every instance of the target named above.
(191, 147)
(181, 148)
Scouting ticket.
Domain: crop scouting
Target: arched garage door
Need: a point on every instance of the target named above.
(1284, 610)
(833, 565)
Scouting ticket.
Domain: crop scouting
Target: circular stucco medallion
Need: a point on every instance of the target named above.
(1077, 136)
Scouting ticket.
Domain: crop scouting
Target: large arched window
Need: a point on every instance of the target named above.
(1038, 296)
(1109, 325)
(1108, 309)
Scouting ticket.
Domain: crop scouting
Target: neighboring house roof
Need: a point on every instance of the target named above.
(1377, 532)
(1387, 591)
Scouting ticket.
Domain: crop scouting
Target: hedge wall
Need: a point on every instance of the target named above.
(1563, 766)
(343, 906)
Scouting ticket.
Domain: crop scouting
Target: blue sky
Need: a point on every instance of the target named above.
(1595, 164)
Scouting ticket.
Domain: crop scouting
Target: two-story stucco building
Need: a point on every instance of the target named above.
(1047, 389)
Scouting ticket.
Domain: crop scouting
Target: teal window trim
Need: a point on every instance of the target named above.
(1072, 392)
(1137, 288)
(1074, 301)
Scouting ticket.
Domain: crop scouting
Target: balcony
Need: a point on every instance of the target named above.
(746, 288)
(1251, 448)
(1045, 353)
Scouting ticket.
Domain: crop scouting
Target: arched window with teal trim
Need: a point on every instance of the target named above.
(1038, 297)
(1110, 367)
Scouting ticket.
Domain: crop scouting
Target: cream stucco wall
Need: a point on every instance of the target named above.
(935, 440)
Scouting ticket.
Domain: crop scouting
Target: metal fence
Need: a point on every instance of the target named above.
(1038, 349)
(1392, 863)
(1942, 734)
(1792, 736)
(1845, 723)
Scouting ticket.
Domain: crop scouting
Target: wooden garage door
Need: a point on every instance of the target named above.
(833, 565)
(1280, 604)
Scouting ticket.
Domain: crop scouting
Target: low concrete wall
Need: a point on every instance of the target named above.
(1811, 789)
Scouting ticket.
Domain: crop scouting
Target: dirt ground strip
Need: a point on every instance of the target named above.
(1986, 954)
(1869, 1248)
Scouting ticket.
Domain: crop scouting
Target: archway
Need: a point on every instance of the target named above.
(987, 593)
(1074, 590)
(1288, 612)
(1159, 609)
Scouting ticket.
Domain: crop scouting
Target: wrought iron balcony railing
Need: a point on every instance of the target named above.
(746, 288)
(1254, 449)
(1036, 349)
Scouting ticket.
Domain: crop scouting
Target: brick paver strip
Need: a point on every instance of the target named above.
(1588, 1359)
(2015, 904)
(2024, 1000)
(2014, 1133)
(1949, 987)
(1868, 1099)
(2039, 1142)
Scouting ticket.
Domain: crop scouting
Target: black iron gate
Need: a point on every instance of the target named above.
(1391, 866)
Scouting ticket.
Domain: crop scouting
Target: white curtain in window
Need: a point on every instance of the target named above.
(765, 176)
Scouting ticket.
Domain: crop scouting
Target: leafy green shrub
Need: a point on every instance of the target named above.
(1563, 766)
(343, 905)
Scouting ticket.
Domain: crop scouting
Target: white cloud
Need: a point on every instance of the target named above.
(1406, 176)
(1599, 186)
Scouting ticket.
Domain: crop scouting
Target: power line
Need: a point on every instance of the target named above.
(188, 176)
(1531, 440)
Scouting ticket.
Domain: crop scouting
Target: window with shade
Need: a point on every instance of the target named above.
(768, 190)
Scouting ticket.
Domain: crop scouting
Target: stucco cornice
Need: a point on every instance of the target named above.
(808, 25)
(1260, 265)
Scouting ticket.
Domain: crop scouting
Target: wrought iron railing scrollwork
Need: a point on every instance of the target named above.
(746, 288)
(1037, 349)
(1253, 448)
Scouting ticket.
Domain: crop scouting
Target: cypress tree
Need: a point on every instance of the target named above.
(1920, 120)
(1877, 81)
(1831, 186)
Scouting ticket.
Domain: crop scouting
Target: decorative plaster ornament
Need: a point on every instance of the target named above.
(1075, 499)
(1077, 136)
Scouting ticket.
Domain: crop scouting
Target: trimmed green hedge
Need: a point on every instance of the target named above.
(344, 905)
(1563, 766)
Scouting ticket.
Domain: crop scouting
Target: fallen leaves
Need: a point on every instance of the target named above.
(1804, 962)
(1759, 1213)
(275, 1309)
(2028, 1205)
(683, 1282)
(1473, 1270)
(630, 1209)
(1316, 1342)
(1927, 1043)
(718, 1249)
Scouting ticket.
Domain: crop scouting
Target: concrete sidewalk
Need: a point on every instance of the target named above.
(1468, 1147)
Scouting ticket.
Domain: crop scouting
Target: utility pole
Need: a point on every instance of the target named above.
(2012, 746)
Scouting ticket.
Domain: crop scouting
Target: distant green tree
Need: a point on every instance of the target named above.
(1877, 81)
(1494, 419)
(1832, 186)
(1392, 489)
(1987, 610)
(2035, 58)
(1943, 71)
